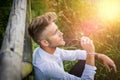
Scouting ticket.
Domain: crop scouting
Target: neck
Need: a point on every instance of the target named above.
(49, 50)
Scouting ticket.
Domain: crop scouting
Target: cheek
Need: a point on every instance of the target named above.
(53, 39)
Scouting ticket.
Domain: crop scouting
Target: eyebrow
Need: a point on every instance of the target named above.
(55, 31)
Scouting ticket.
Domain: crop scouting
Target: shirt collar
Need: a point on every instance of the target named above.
(46, 55)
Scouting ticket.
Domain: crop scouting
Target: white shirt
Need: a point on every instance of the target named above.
(50, 67)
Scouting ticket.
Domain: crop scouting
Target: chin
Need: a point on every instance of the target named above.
(63, 43)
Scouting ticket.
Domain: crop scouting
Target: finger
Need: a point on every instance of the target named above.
(88, 41)
(107, 66)
(114, 68)
(84, 37)
(84, 41)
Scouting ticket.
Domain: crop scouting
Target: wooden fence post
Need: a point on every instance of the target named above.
(27, 52)
(12, 47)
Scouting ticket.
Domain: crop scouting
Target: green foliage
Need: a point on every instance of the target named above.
(34, 45)
(108, 42)
(68, 65)
(73, 13)
(5, 6)
(38, 7)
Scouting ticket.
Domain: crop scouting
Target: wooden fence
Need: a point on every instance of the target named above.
(16, 50)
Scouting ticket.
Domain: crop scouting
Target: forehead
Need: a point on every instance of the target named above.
(50, 29)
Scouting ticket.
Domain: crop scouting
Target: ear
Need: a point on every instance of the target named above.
(44, 42)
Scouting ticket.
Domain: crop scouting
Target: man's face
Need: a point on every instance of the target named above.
(54, 36)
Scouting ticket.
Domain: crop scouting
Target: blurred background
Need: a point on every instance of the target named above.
(97, 19)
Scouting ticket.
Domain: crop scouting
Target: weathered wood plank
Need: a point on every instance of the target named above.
(12, 47)
(27, 52)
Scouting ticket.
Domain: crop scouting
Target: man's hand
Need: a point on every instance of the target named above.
(109, 63)
(87, 44)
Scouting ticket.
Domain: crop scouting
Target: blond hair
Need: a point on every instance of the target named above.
(38, 25)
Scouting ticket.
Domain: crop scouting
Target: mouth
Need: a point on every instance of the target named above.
(62, 39)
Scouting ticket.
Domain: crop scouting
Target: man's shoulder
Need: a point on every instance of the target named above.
(36, 49)
(35, 52)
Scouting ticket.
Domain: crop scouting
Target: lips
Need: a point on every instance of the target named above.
(62, 39)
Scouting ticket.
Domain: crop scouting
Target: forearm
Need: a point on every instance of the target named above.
(100, 56)
(108, 62)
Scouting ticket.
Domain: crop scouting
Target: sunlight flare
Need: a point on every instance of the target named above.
(109, 9)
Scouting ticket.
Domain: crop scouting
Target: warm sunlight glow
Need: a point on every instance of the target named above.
(109, 9)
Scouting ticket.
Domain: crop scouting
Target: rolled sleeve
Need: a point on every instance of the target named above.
(89, 72)
(54, 72)
(72, 54)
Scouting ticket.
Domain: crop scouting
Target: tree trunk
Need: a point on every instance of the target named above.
(12, 47)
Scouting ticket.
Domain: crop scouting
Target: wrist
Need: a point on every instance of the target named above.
(96, 56)
(99, 56)
(91, 53)
(90, 59)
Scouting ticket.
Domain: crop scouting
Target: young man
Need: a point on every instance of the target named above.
(47, 59)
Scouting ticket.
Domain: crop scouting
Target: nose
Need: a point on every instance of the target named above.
(60, 33)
